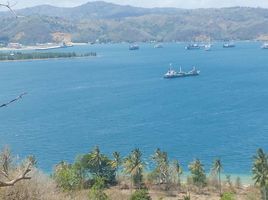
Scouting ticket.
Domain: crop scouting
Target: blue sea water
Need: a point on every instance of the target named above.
(119, 101)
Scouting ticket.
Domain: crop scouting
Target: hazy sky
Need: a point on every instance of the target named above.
(150, 3)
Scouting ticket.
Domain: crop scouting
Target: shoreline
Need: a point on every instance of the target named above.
(40, 48)
(56, 46)
(44, 59)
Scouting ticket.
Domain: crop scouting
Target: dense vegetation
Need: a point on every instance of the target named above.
(92, 175)
(108, 22)
(39, 55)
(96, 176)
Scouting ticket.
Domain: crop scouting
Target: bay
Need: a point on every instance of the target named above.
(119, 101)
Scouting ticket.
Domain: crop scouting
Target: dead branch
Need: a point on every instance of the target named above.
(8, 6)
(21, 176)
(13, 100)
(6, 162)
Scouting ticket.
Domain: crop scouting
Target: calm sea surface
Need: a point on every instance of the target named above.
(120, 101)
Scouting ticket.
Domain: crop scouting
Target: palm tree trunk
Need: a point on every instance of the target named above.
(220, 181)
(263, 191)
(131, 184)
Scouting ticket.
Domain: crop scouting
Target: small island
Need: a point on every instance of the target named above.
(16, 56)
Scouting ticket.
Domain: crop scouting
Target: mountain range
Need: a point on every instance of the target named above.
(107, 22)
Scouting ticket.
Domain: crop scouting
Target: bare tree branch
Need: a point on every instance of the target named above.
(6, 162)
(7, 5)
(22, 176)
(13, 100)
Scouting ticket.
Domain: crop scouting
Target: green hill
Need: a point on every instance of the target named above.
(110, 22)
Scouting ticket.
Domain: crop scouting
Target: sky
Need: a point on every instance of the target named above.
(149, 3)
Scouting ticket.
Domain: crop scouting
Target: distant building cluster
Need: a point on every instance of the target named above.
(14, 45)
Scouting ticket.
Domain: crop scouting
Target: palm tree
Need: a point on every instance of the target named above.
(260, 171)
(216, 170)
(133, 165)
(198, 173)
(162, 165)
(96, 159)
(116, 163)
(178, 170)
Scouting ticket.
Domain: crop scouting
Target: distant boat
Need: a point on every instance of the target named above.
(158, 46)
(65, 45)
(264, 46)
(207, 47)
(192, 47)
(228, 45)
(173, 74)
(134, 47)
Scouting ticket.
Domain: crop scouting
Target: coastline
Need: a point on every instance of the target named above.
(56, 46)
(44, 59)
(41, 48)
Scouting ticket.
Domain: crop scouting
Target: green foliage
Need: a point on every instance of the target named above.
(133, 166)
(140, 195)
(97, 164)
(260, 172)
(162, 166)
(117, 160)
(149, 24)
(116, 163)
(66, 177)
(152, 177)
(178, 170)
(227, 196)
(38, 55)
(97, 190)
(187, 197)
(198, 173)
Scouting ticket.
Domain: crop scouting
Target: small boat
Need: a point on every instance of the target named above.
(228, 45)
(134, 47)
(173, 74)
(65, 45)
(207, 47)
(193, 72)
(264, 46)
(158, 46)
(192, 47)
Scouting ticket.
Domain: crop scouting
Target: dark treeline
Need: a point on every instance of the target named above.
(42, 55)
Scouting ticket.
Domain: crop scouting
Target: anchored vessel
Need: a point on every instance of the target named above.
(134, 47)
(264, 46)
(192, 47)
(228, 45)
(173, 74)
(158, 46)
(207, 47)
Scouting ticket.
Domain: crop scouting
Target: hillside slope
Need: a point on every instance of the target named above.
(111, 22)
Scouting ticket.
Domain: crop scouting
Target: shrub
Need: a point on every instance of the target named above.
(95, 164)
(140, 195)
(198, 174)
(67, 177)
(40, 187)
(187, 197)
(228, 196)
(97, 190)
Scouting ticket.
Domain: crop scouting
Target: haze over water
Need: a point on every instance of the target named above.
(120, 101)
